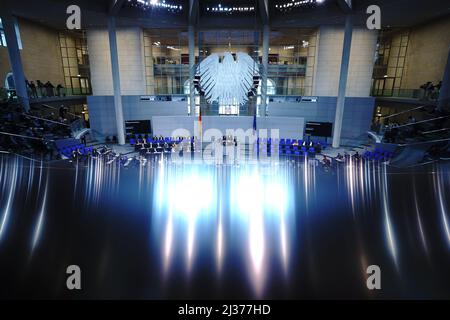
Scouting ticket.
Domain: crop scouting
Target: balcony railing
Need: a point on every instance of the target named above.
(274, 70)
(55, 92)
(418, 94)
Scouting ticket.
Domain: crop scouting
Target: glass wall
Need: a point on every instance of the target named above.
(166, 61)
(389, 65)
(75, 61)
(291, 60)
(290, 71)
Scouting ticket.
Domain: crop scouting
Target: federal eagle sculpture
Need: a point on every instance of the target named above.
(226, 78)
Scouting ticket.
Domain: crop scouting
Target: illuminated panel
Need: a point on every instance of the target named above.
(289, 5)
(230, 9)
(155, 4)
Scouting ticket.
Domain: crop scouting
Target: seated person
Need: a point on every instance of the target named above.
(318, 147)
(326, 162)
(340, 157)
(123, 160)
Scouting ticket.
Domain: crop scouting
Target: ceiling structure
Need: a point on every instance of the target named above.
(395, 13)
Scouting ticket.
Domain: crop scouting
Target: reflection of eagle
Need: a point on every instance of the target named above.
(225, 79)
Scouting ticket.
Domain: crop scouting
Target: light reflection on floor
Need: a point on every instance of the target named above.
(196, 204)
(277, 230)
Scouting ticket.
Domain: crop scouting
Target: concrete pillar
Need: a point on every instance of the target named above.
(191, 40)
(14, 58)
(444, 95)
(265, 67)
(116, 80)
(343, 81)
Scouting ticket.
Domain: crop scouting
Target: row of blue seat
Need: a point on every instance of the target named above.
(81, 148)
(151, 140)
(292, 142)
(282, 142)
(378, 155)
(296, 151)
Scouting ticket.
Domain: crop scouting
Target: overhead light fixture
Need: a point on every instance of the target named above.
(289, 5)
(229, 10)
(155, 4)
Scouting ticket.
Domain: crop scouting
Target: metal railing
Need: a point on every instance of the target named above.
(418, 94)
(422, 122)
(42, 93)
(403, 112)
(21, 136)
(56, 109)
(46, 120)
(416, 131)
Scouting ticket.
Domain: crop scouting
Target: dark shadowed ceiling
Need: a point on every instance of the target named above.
(395, 13)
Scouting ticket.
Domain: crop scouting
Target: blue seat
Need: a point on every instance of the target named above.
(66, 151)
(303, 149)
(282, 142)
(288, 142)
(132, 141)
